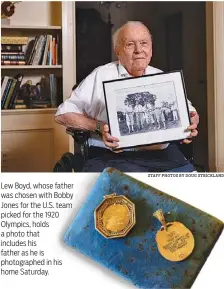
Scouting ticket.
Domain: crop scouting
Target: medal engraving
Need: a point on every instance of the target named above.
(115, 216)
(174, 240)
(176, 243)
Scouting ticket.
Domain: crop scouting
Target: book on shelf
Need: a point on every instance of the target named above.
(11, 48)
(19, 106)
(20, 56)
(4, 82)
(17, 56)
(39, 50)
(10, 90)
(23, 92)
(12, 62)
(33, 50)
(46, 50)
(18, 40)
(5, 90)
(41, 104)
(10, 93)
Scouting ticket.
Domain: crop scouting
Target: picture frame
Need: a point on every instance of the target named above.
(149, 109)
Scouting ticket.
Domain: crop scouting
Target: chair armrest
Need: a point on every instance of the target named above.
(80, 137)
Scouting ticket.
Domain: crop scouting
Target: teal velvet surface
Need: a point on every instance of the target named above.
(136, 257)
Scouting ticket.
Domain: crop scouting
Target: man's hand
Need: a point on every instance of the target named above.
(109, 141)
(193, 127)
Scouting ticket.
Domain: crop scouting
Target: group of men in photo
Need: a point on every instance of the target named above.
(144, 116)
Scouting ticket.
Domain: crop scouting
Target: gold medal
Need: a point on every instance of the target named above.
(115, 216)
(175, 241)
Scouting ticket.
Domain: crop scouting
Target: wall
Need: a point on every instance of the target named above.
(28, 13)
(194, 60)
(128, 11)
(218, 29)
(210, 86)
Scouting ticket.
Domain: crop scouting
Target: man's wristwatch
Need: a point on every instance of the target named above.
(98, 129)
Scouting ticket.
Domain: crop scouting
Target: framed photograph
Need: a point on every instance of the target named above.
(147, 110)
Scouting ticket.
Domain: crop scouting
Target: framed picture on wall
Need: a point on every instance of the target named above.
(147, 110)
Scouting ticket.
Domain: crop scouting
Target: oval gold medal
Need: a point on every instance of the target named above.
(174, 240)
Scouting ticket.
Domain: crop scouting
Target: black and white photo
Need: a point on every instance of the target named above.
(147, 110)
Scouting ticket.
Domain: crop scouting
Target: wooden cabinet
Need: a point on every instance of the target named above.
(31, 140)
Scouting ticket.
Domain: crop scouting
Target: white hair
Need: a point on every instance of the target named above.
(115, 37)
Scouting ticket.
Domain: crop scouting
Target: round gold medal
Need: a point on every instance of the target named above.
(174, 240)
(115, 216)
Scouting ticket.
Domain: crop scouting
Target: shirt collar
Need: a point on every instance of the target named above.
(122, 72)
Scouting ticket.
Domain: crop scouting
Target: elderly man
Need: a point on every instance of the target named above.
(85, 109)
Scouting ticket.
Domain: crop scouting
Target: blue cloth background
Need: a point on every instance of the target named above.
(136, 257)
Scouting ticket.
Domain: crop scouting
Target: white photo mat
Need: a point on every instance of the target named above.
(170, 92)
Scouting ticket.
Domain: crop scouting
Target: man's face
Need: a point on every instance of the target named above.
(134, 49)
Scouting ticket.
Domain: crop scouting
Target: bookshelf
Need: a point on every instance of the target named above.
(31, 141)
(39, 48)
